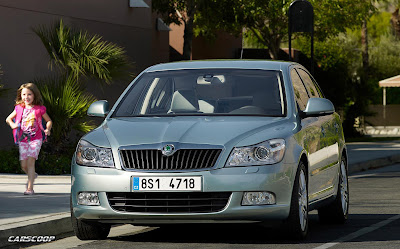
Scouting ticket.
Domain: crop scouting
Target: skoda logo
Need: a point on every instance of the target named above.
(168, 150)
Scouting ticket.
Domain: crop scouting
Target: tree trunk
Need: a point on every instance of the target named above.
(188, 32)
(273, 48)
(187, 40)
(364, 45)
(395, 22)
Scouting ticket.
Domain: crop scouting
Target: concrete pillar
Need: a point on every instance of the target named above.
(384, 96)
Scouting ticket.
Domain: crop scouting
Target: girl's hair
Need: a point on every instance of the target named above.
(37, 100)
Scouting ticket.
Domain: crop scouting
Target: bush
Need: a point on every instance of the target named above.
(47, 164)
(53, 164)
(9, 162)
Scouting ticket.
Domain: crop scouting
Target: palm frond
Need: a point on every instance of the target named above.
(83, 54)
(56, 41)
(66, 103)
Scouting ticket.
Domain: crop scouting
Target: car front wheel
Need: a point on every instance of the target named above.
(89, 230)
(297, 223)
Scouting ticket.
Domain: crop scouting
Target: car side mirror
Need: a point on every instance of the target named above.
(98, 109)
(317, 107)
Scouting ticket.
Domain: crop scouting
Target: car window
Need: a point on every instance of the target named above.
(300, 92)
(206, 91)
(313, 90)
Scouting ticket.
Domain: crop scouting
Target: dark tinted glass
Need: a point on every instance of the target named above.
(300, 92)
(312, 89)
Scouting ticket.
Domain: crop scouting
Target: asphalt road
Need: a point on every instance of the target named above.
(374, 222)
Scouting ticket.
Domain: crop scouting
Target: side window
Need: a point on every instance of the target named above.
(300, 92)
(311, 87)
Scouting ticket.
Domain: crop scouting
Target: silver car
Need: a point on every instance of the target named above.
(212, 141)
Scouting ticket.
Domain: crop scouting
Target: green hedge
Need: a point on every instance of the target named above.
(47, 163)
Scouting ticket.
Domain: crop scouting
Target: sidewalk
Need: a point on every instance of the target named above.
(368, 155)
(47, 212)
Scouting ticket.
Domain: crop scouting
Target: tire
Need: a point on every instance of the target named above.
(337, 212)
(89, 230)
(297, 222)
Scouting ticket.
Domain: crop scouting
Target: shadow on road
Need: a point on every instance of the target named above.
(254, 234)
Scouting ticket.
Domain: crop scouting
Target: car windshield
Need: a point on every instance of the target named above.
(205, 92)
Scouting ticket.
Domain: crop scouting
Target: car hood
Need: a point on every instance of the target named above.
(223, 131)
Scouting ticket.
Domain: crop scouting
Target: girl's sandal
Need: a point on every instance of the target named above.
(29, 192)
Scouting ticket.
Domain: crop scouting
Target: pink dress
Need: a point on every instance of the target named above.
(31, 140)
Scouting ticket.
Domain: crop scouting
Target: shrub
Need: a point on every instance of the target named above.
(47, 163)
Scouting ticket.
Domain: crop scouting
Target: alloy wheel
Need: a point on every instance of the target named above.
(344, 194)
(303, 205)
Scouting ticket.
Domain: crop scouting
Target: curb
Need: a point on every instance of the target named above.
(52, 225)
(373, 164)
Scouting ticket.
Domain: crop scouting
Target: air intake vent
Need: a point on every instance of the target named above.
(183, 159)
(185, 202)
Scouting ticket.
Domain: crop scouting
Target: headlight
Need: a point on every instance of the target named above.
(268, 152)
(90, 155)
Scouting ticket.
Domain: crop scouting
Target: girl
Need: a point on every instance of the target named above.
(27, 129)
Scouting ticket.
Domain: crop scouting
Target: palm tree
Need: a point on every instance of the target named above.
(79, 53)
(67, 104)
(75, 54)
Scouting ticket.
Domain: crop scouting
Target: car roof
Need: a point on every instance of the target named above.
(242, 64)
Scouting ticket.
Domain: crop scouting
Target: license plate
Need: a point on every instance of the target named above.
(185, 183)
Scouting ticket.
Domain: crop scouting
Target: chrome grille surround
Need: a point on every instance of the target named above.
(186, 157)
(171, 202)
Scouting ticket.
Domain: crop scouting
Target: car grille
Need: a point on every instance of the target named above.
(184, 202)
(183, 159)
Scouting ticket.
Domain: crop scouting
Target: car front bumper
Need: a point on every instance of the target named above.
(277, 179)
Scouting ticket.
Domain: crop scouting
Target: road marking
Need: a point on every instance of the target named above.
(361, 176)
(359, 233)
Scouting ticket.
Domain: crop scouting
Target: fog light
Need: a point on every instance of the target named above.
(258, 198)
(88, 199)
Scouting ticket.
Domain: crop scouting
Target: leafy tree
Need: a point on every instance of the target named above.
(268, 20)
(340, 66)
(340, 73)
(203, 17)
(179, 12)
(385, 63)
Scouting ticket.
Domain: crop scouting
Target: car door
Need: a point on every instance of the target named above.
(309, 135)
(322, 175)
